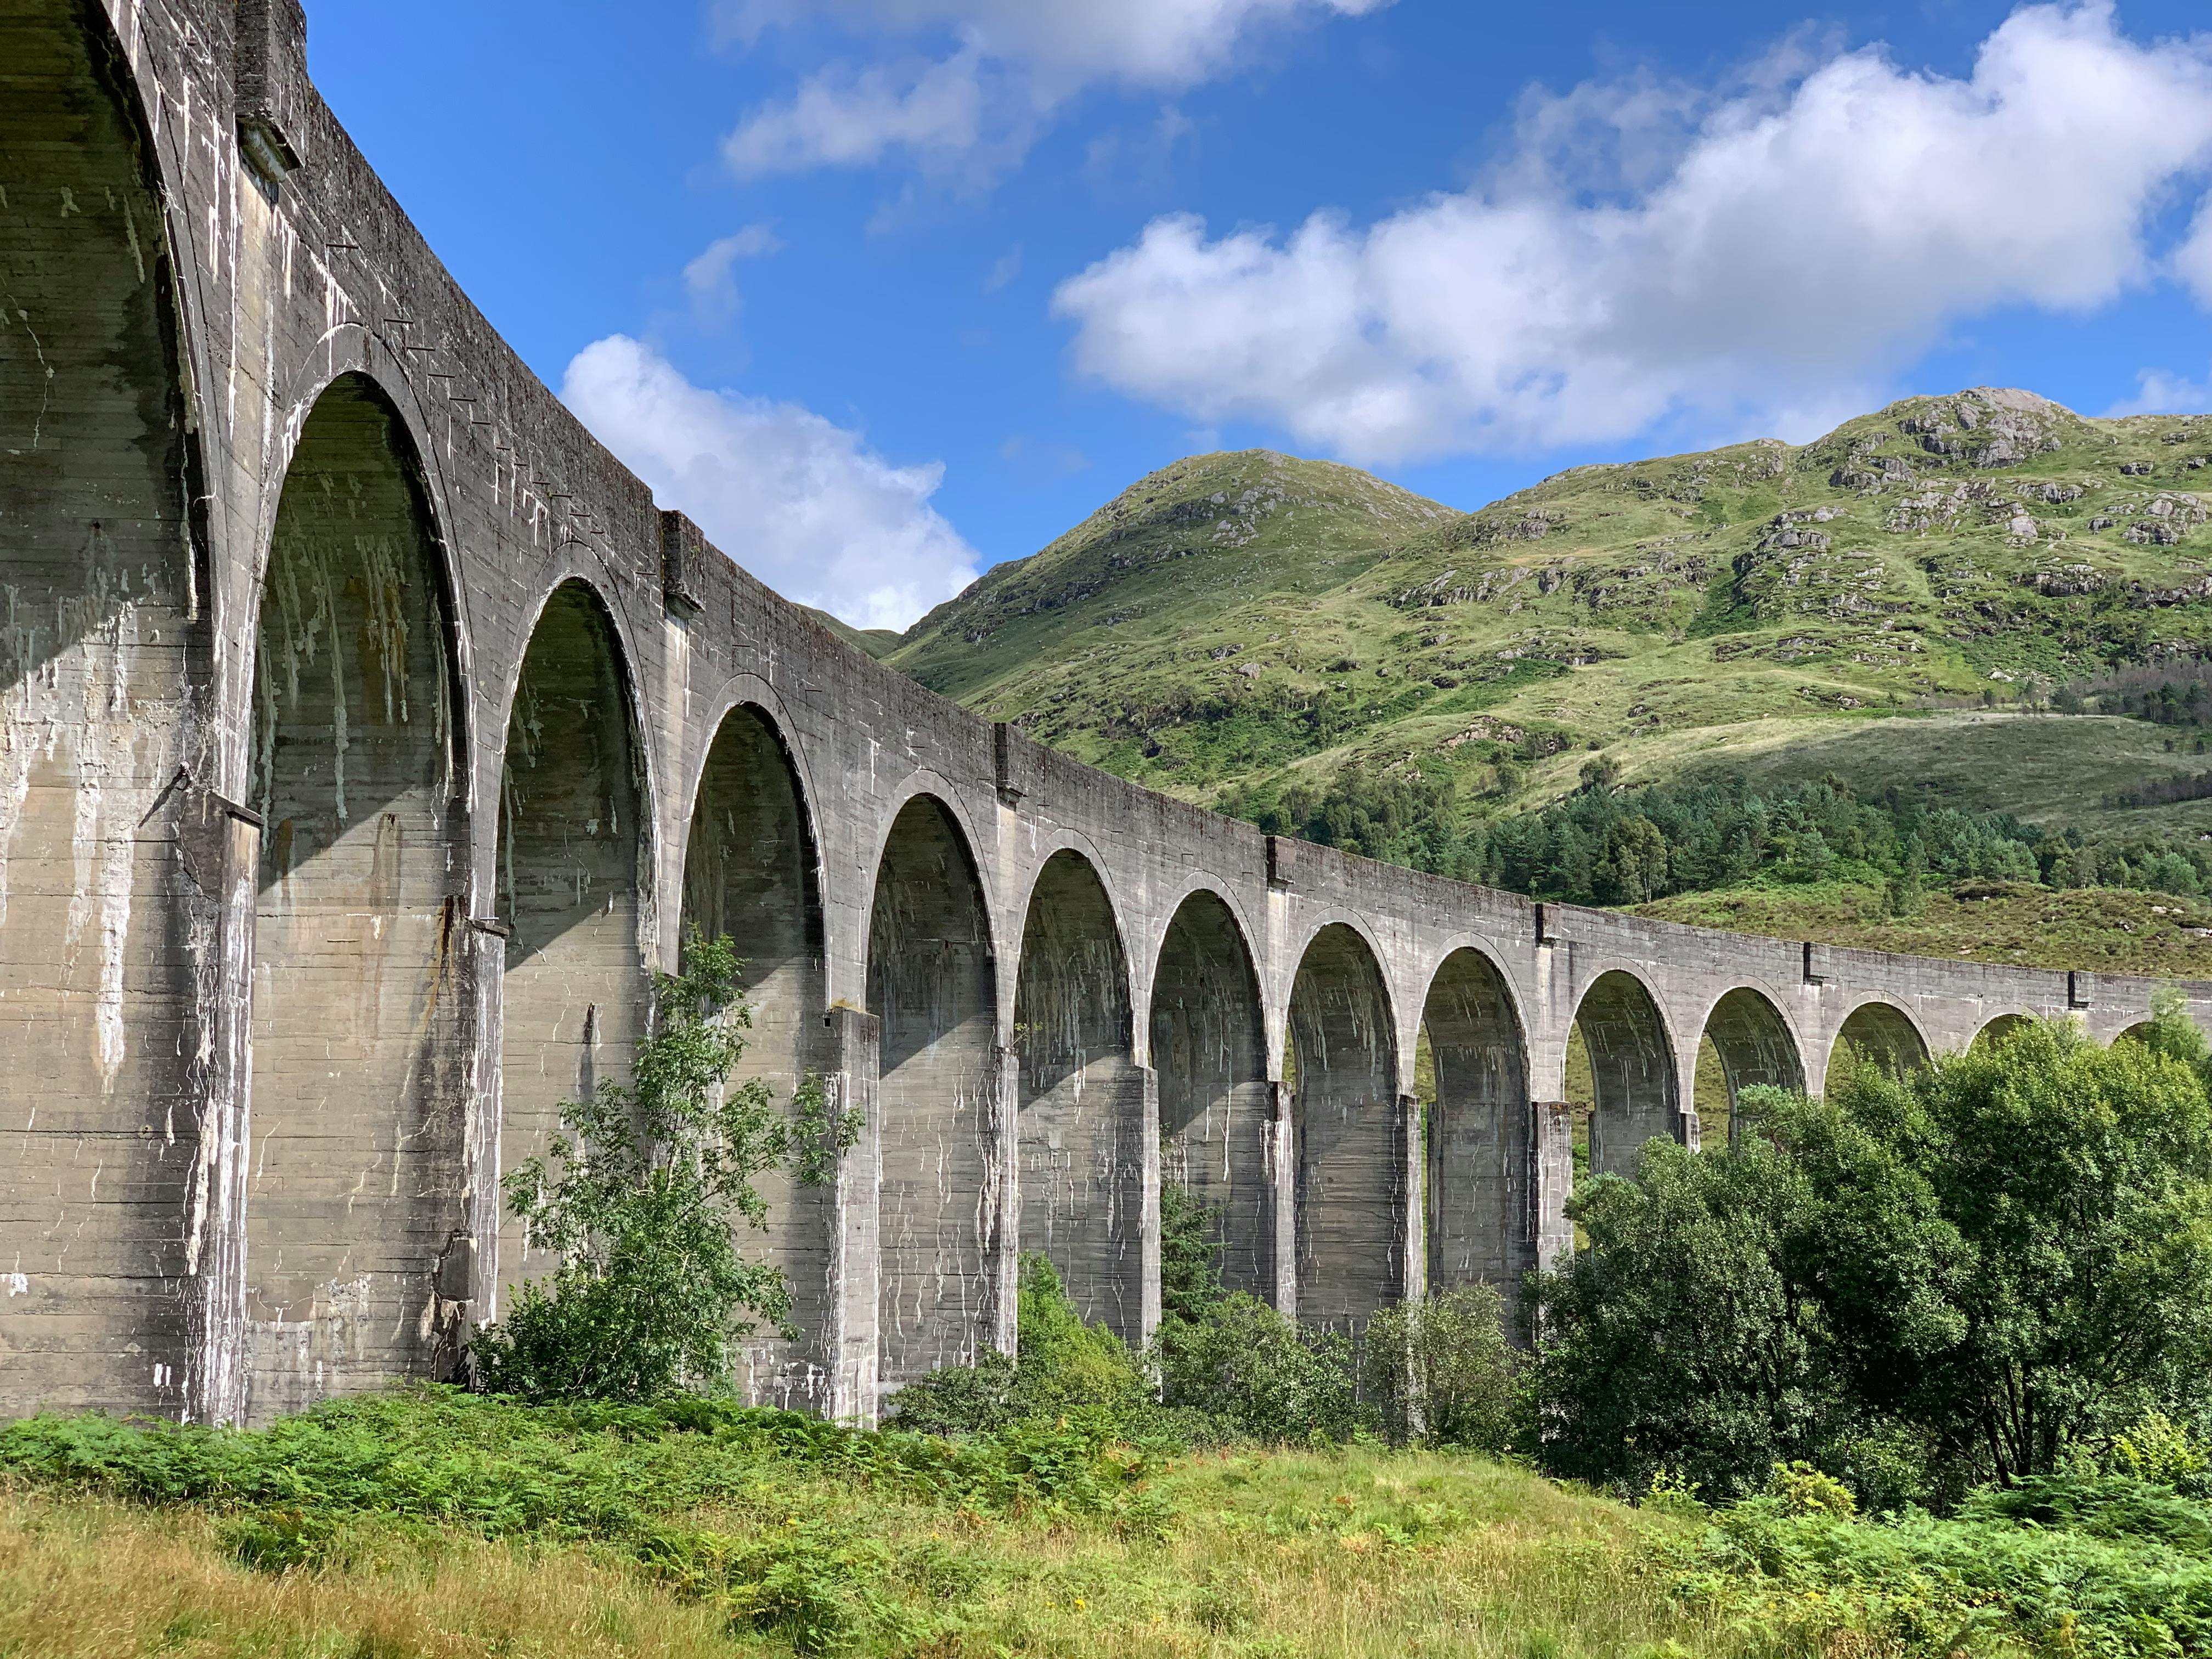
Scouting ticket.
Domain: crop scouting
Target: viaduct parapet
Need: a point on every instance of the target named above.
(368, 735)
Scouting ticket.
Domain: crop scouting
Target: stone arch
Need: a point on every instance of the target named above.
(355, 1203)
(1080, 1129)
(1209, 1050)
(2138, 1032)
(2001, 1029)
(1631, 1070)
(105, 671)
(1482, 1146)
(572, 882)
(1349, 1129)
(1756, 1047)
(1882, 1033)
(750, 871)
(933, 986)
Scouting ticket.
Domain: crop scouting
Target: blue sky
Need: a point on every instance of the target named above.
(885, 291)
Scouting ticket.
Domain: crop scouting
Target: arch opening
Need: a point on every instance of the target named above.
(932, 985)
(1209, 1048)
(572, 885)
(1883, 1037)
(360, 1044)
(749, 872)
(2138, 1032)
(1349, 1127)
(1634, 1096)
(105, 663)
(1752, 1045)
(1080, 1132)
(2003, 1028)
(1480, 1205)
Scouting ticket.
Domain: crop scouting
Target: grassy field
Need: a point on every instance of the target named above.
(2011, 924)
(2045, 768)
(436, 1526)
(1360, 1551)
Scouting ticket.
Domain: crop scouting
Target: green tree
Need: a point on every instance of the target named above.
(1677, 1340)
(1633, 868)
(2014, 1244)
(1905, 894)
(641, 1193)
(1190, 1255)
(1258, 1375)
(1441, 1372)
(1997, 1260)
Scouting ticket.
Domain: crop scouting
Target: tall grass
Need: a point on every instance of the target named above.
(437, 1525)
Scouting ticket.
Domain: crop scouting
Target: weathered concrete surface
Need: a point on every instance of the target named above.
(275, 502)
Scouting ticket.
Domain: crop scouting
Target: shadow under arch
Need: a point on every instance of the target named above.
(1881, 1034)
(2003, 1028)
(750, 871)
(933, 985)
(1483, 1139)
(1349, 1132)
(1080, 1128)
(106, 683)
(360, 1008)
(1632, 1073)
(572, 880)
(1209, 1049)
(1755, 1048)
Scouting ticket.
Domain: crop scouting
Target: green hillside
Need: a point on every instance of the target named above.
(876, 642)
(1903, 603)
(1211, 542)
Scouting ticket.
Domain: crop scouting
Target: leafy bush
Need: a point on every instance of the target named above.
(1677, 1340)
(1441, 1372)
(1997, 1263)
(1256, 1375)
(1789, 1577)
(1190, 1256)
(641, 1193)
(1066, 1368)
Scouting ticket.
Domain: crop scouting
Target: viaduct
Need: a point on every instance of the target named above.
(368, 735)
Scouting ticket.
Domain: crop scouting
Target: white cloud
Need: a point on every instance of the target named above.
(1013, 62)
(800, 503)
(843, 116)
(711, 279)
(2158, 393)
(1004, 270)
(1822, 223)
(2192, 260)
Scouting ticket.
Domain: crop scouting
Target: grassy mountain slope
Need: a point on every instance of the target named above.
(1235, 614)
(1154, 581)
(876, 642)
(1886, 604)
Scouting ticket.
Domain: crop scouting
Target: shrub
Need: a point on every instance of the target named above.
(1190, 1256)
(1442, 1373)
(640, 1194)
(1256, 1375)
(1065, 1368)
(1994, 1265)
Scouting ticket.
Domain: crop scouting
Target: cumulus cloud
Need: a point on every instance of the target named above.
(2192, 260)
(802, 503)
(977, 109)
(1821, 223)
(711, 279)
(2160, 392)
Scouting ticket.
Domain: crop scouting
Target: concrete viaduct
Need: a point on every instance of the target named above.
(368, 735)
